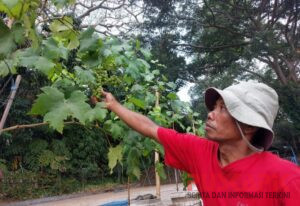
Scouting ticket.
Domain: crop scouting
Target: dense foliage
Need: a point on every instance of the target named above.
(65, 66)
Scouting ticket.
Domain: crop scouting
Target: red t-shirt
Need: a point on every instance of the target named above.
(259, 179)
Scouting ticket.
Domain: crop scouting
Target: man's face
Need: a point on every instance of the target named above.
(220, 126)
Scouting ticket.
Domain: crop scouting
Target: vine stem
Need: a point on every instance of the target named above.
(24, 126)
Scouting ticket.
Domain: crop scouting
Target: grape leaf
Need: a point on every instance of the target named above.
(74, 42)
(84, 76)
(44, 65)
(97, 113)
(6, 67)
(10, 3)
(133, 162)
(7, 44)
(31, 60)
(18, 33)
(114, 156)
(160, 170)
(47, 100)
(13, 8)
(172, 96)
(56, 108)
(54, 51)
(116, 130)
(137, 102)
(88, 42)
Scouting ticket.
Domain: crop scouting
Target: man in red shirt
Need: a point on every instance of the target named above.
(231, 165)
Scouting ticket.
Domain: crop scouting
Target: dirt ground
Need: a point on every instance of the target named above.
(167, 192)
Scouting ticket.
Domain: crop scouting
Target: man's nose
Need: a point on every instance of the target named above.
(211, 115)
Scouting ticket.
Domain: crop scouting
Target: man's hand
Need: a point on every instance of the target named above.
(136, 121)
(109, 100)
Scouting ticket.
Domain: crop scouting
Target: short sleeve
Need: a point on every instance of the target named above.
(184, 151)
(292, 193)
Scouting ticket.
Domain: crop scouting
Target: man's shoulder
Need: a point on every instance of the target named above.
(275, 164)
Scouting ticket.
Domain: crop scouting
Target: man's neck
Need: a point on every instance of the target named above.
(229, 153)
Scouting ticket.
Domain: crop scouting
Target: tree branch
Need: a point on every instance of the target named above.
(102, 7)
(213, 48)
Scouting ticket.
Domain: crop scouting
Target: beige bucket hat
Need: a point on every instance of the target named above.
(254, 104)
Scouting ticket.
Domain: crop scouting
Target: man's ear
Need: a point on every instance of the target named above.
(249, 130)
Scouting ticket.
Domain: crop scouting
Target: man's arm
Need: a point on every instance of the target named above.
(136, 121)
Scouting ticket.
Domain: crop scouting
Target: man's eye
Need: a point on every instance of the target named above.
(223, 107)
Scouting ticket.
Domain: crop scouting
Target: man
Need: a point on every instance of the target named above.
(230, 166)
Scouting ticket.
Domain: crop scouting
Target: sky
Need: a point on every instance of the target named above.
(183, 93)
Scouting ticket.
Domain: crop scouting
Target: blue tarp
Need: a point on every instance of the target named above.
(117, 203)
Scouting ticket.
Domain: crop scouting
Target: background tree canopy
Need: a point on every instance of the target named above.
(227, 41)
(66, 49)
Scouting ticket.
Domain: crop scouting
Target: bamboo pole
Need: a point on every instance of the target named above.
(9, 102)
(156, 158)
(176, 179)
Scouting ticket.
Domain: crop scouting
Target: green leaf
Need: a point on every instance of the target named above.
(149, 77)
(6, 67)
(172, 96)
(74, 42)
(160, 170)
(137, 102)
(137, 44)
(97, 113)
(53, 50)
(47, 100)
(18, 33)
(87, 33)
(133, 70)
(146, 53)
(14, 8)
(114, 156)
(171, 85)
(28, 58)
(137, 88)
(57, 109)
(115, 130)
(63, 24)
(133, 162)
(136, 171)
(87, 41)
(91, 59)
(44, 65)
(84, 76)
(56, 117)
(10, 3)
(7, 44)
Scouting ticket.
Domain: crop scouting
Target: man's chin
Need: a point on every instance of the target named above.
(212, 138)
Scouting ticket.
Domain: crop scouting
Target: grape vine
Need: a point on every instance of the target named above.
(122, 67)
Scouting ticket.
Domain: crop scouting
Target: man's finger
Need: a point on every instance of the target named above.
(103, 92)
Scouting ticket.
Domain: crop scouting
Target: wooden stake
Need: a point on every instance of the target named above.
(156, 159)
(128, 190)
(9, 102)
(175, 170)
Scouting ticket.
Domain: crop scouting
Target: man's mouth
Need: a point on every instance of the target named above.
(209, 126)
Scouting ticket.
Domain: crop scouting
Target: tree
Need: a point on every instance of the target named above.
(227, 41)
